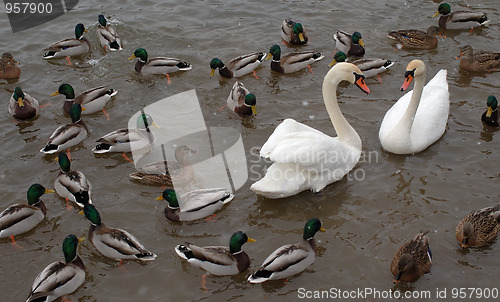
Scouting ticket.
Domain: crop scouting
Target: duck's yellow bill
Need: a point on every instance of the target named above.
(160, 197)
(301, 37)
(322, 229)
(49, 191)
(20, 102)
(361, 42)
(269, 55)
(489, 112)
(435, 14)
(254, 110)
(80, 239)
(212, 72)
(131, 57)
(251, 240)
(55, 93)
(332, 63)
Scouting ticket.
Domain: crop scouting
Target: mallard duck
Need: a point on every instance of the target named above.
(412, 260)
(8, 67)
(416, 39)
(114, 243)
(490, 116)
(293, 32)
(459, 19)
(75, 47)
(352, 45)
(479, 228)
(218, 260)
(195, 204)
(159, 65)
(293, 147)
(478, 61)
(93, 100)
(164, 173)
(239, 66)
(241, 101)
(125, 139)
(290, 259)
(369, 67)
(60, 278)
(68, 135)
(291, 62)
(22, 106)
(418, 119)
(70, 183)
(107, 35)
(20, 218)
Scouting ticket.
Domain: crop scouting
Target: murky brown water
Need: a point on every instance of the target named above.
(367, 215)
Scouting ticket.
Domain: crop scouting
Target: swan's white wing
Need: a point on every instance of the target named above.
(432, 113)
(394, 114)
(293, 142)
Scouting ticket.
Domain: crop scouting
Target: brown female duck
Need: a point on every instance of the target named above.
(412, 260)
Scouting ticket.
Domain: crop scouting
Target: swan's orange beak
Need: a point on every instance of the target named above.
(360, 82)
(408, 79)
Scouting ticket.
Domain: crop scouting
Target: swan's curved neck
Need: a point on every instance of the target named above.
(409, 115)
(345, 131)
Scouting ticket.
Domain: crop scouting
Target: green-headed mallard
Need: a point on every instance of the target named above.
(459, 19)
(164, 173)
(68, 135)
(114, 243)
(478, 61)
(412, 260)
(74, 47)
(490, 116)
(418, 119)
(479, 228)
(8, 67)
(352, 45)
(290, 259)
(239, 66)
(60, 278)
(20, 218)
(218, 260)
(108, 37)
(125, 139)
(93, 100)
(293, 147)
(159, 65)
(369, 67)
(293, 32)
(195, 204)
(22, 106)
(70, 183)
(241, 101)
(291, 62)
(416, 39)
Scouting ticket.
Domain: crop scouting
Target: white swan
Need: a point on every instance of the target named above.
(305, 158)
(418, 118)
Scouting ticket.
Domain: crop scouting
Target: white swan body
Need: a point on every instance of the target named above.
(418, 119)
(305, 158)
